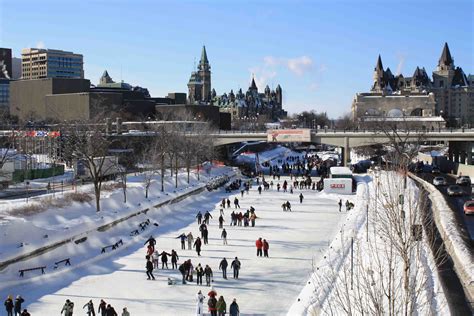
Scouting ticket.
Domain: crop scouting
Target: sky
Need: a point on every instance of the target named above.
(321, 52)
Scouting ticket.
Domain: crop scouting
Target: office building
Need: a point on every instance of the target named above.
(40, 63)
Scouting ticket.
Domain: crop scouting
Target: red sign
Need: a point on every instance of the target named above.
(338, 185)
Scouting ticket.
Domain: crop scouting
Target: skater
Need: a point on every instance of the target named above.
(110, 311)
(233, 219)
(174, 259)
(242, 193)
(25, 313)
(125, 312)
(234, 308)
(102, 306)
(208, 273)
(17, 308)
(223, 266)
(190, 239)
(199, 217)
(68, 308)
(236, 202)
(278, 187)
(199, 304)
(228, 203)
(266, 246)
(223, 203)
(9, 305)
(202, 228)
(149, 250)
(155, 259)
(221, 221)
(253, 216)
(288, 206)
(189, 271)
(259, 245)
(90, 308)
(151, 242)
(212, 304)
(149, 273)
(301, 197)
(259, 189)
(183, 238)
(340, 204)
(283, 206)
(240, 217)
(221, 306)
(206, 217)
(205, 234)
(235, 265)
(197, 245)
(164, 260)
(199, 274)
(224, 236)
(182, 269)
(221, 211)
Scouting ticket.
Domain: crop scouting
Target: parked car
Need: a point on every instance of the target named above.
(439, 181)
(463, 180)
(469, 207)
(455, 190)
(435, 170)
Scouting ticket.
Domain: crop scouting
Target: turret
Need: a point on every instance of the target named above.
(446, 62)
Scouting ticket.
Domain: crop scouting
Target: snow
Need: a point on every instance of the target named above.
(266, 285)
(340, 171)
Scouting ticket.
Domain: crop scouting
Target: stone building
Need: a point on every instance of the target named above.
(450, 95)
(199, 85)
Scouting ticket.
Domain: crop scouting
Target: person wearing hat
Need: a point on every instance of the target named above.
(125, 312)
(25, 313)
(18, 301)
(9, 305)
(90, 308)
(199, 303)
(234, 308)
(68, 308)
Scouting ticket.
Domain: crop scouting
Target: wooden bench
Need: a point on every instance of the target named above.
(134, 233)
(113, 247)
(22, 271)
(67, 262)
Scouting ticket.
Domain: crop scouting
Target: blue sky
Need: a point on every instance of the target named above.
(320, 52)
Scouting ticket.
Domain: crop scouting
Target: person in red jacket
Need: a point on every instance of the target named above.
(265, 248)
(259, 245)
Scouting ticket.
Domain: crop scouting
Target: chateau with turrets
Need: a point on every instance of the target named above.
(450, 95)
(249, 105)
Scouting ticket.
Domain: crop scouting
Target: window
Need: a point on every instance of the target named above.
(441, 83)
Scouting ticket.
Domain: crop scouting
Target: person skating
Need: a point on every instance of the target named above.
(155, 259)
(164, 259)
(233, 219)
(283, 206)
(234, 308)
(223, 266)
(90, 308)
(174, 259)
(17, 308)
(202, 228)
(259, 189)
(212, 305)
(189, 271)
(235, 265)
(199, 304)
(221, 306)
(199, 274)
(223, 203)
(9, 305)
(183, 238)
(266, 246)
(199, 217)
(301, 197)
(259, 245)
(340, 204)
(190, 239)
(278, 187)
(228, 203)
(102, 307)
(236, 203)
(240, 217)
(182, 269)
(221, 221)
(151, 242)
(209, 275)
(25, 313)
(207, 215)
(125, 312)
(205, 235)
(253, 217)
(68, 308)
(197, 245)
(224, 236)
(110, 311)
(288, 206)
(149, 273)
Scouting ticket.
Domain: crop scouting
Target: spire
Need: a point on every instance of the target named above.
(204, 56)
(379, 66)
(278, 88)
(445, 58)
(253, 86)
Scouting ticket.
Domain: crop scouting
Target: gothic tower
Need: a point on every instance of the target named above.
(378, 76)
(194, 88)
(204, 71)
(279, 96)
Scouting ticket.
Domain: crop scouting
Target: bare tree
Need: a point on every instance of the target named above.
(86, 144)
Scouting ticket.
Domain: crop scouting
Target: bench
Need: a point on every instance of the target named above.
(144, 224)
(135, 232)
(77, 242)
(22, 271)
(67, 262)
(113, 247)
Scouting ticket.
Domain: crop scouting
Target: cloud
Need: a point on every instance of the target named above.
(297, 65)
(40, 44)
(262, 76)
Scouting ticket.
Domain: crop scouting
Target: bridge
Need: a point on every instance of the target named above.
(461, 140)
